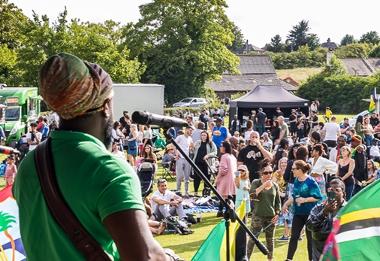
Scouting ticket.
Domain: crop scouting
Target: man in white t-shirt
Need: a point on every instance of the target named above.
(183, 168)
(331, 131)
(166, 203)
(33, 136)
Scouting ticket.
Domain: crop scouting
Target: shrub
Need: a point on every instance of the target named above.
(341, 92)
(355, 50)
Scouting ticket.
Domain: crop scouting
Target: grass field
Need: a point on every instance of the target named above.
(187, 245)
(298, 74)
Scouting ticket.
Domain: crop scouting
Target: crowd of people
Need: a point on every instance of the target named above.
(281, 172)
(298, 172)
(286, 176)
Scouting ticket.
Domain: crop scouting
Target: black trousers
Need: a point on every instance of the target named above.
(197, 180)
(299, 222)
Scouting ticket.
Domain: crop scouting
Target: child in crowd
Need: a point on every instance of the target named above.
(10, 171)
(287, 217)
(242, 188)
(116, 150)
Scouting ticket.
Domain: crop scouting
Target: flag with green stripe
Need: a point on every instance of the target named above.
(214, 247)
(356, 231)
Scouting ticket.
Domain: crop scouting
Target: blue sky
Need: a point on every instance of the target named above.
(259, 20)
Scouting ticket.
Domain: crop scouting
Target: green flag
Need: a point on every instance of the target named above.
(214, 247)
(356, 232)
(210, 249)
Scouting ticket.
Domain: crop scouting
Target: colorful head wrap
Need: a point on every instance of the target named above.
(72, 87)
(356, 138)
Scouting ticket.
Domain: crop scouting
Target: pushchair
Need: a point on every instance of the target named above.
(213, 170)
(145, 172)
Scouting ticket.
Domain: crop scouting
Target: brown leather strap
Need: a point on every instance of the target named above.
(60, 210)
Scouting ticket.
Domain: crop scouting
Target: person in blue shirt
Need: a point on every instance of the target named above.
(306, 194)
(45, 129)
(219, 133)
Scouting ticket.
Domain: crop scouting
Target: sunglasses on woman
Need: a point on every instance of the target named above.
(266, 172)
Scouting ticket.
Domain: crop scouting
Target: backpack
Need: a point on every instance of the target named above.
(177, 225)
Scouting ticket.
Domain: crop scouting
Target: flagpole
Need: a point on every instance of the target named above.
(229, 212)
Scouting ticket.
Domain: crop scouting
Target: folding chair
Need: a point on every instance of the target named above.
(169, 169)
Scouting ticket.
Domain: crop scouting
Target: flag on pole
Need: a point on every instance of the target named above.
(372, 102)
(374, 94)
(356, 231)
(11, 247)
(214, 247)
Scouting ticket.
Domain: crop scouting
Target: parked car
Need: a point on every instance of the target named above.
(191, 102)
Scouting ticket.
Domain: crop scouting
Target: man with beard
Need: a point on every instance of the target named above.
(252, 155)
(102, 191)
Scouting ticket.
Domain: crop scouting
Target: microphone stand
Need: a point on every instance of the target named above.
(229, 213)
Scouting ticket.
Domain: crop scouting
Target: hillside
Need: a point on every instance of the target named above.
(298, 74)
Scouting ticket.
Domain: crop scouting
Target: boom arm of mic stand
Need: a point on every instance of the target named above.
(259, 245)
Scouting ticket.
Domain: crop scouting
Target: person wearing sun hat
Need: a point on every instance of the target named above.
(101, 190)
(242, 187)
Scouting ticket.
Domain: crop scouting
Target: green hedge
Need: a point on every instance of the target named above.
(301, 58)
(343, 93)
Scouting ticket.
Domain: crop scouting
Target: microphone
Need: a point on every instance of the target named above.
(145, 118)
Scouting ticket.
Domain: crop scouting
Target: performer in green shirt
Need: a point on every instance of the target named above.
(102, 190)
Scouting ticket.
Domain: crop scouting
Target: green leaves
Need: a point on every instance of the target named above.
(183, 44)
(338, 90)
(33, 41)
(300, 36)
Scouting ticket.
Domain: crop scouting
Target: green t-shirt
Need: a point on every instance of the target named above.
(268, 202)
(93, 182)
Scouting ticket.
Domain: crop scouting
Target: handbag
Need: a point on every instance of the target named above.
(60, 210)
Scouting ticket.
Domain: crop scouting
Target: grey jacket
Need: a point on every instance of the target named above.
(211, 151)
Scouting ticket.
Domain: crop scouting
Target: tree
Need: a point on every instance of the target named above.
(312, 41)
(8, 61)
(371, 37)
(98, 43)
(356, 50)
(184, 44)
(276, 44)
(299, 36)
(238, 43)
(347, 39)
(375, 52)
(11, 21)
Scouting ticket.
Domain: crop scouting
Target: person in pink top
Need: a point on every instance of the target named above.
(225, 179)
(10, 171)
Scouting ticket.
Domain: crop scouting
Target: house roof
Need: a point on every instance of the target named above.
(360, 66)
(244, 83)
(268, 96)
(329, 45)
(375, 63)
(255, 64)
(291, 81)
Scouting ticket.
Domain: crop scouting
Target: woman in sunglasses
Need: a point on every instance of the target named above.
(306, 194)
(267, 205)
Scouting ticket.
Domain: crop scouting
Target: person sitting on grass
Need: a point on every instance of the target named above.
(156, 227)
(166, 203)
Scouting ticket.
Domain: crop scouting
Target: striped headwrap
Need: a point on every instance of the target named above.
(72, 87)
